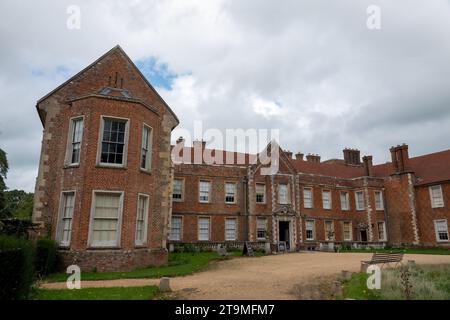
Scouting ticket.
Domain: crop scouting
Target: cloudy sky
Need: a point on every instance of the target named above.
(312, 69)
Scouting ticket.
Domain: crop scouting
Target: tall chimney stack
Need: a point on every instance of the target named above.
(352, 156)
(400, 158)
(368, 166)
(313, 158)
(299, 156)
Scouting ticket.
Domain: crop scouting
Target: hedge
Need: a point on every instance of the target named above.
(17, 268)
(46, 257)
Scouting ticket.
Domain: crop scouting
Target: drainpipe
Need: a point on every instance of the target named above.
(245, 186)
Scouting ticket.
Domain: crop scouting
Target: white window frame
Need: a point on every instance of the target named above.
(350, 231)
(259, 193)
(148, 160)
(100, 141)
(209, 191)
(313, 224)
(209, 228)
(116, 244)
(432, 199)
(358, 208)
(311, 201)
(69, 148)
(347, 200)
(437, 232)
(384, 231)
(332, 230)
(287, 198)
(235, 229)
(145, 222)
(265, 228)
(234, 191)
(60, 223)
(329, 200)
(182, 190)
(379, 206)
(181, 228)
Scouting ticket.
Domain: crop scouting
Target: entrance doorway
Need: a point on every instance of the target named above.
(363, 235)
(284, 235)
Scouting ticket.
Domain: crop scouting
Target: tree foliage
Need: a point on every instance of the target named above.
(19, 204)
(3, 171)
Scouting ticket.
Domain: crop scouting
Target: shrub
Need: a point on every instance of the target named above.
(17, 268)
(46, 256)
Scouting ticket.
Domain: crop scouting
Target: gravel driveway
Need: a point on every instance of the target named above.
(268, 277)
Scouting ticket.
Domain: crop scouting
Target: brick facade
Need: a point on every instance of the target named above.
(112, 87)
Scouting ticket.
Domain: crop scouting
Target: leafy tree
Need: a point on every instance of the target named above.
(3, 172)
(19, 204)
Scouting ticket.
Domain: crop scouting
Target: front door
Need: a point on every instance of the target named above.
(363, 235)
(284, 233)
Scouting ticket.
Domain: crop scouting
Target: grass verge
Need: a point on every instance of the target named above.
(180, 264)
(428, 282)
(116, 293)
(438, 251)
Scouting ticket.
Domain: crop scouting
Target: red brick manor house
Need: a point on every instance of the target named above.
(112, 195)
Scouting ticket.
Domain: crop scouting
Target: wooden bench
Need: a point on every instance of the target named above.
(383, 258)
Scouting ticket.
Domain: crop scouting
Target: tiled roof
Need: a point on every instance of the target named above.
(332, 169)
(239, 159)
(430, 168)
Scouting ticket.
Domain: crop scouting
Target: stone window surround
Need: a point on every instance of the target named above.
(235, 191)
(119, 222)
(100, 140)
(209, 190)
(433, 205)
(182, 190)
(181, 227)
(68, 157)
(235, 228)
(198, 228)
(60, 215)
(436, 230)
(149, 147)
(146, 214)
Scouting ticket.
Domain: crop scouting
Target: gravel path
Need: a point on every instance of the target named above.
(268, 277)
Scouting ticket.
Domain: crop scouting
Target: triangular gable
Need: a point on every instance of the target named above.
(284, 164)
(116, 49)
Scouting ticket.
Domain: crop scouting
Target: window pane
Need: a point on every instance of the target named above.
(106, 219)
(175, 232)
(309, 230)
(141, 219)
(66, 215)
(203, 229)
(283, 194)
(260, 193)
(230, 190)
(204, 191)
(230, 229)
(177, 193)
(307, 198)
(145, 148)
(113, 141)
(326, 199)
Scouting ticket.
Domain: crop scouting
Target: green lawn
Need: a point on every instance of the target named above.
(180, 264)
(128, 293)
(429, 282)
(439, 251)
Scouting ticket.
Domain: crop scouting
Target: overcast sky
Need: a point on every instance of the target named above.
(311, 69)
